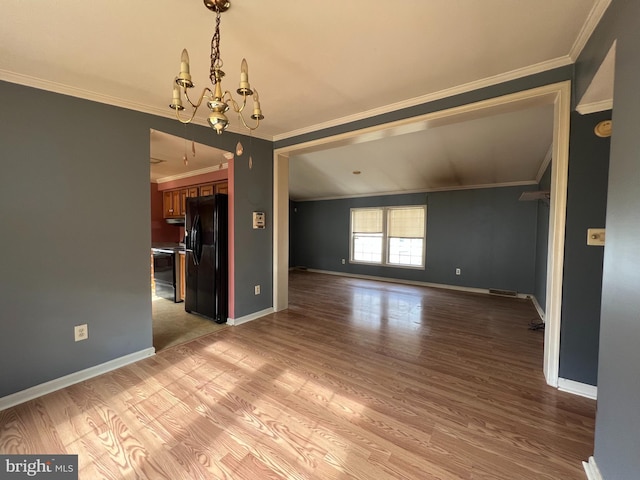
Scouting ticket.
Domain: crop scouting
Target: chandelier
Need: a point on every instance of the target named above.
(217, 101)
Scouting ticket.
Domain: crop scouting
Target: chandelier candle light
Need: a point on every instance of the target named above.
(217, 101)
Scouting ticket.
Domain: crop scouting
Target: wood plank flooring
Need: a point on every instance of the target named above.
(356, 380)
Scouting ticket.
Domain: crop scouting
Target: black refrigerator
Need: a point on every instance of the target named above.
(207, 257)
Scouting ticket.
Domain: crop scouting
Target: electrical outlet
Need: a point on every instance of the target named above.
(257, 289)
(458, 271)
(343, 261)
(81, 332)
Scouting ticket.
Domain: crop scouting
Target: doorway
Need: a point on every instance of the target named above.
(559, 95)
(179, 168)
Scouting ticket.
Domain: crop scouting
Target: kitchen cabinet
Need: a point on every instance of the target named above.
(206, 190)
(171, 203)
(183, 201)
(211, 188)
(175, 201)
(184, 194)
(221, 187)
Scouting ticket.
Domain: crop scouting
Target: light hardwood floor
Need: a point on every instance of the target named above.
(356, 380)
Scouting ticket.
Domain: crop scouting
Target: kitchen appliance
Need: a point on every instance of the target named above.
(165, 274)
(207, 256)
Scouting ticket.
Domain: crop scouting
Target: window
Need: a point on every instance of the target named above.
(392, 236)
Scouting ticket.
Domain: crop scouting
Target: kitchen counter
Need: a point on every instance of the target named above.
(168, 247)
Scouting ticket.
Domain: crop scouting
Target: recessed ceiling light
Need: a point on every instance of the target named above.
(357, 172)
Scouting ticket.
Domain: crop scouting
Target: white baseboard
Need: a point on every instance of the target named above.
(248, 318)
(73, 378)
(538, 308)
(591, 469)
(578, 388)
(412, 282)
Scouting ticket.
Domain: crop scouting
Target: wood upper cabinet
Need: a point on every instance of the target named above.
(206, 190)
(183, 201)
(222, 187)
(171, 203)
(211, 188)
(175, 201)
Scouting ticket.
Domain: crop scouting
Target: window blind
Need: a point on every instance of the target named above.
(367, 221)
(406, 222)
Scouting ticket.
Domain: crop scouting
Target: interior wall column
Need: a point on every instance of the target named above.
(280, 231)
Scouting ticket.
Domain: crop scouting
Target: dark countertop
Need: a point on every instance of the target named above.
(168, 246)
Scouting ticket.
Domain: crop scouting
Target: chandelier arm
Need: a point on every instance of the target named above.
(202, 97)
(181, 120)
(195, 106)
(234, 104)
(241, 117)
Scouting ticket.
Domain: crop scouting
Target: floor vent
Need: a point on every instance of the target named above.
(504, 293)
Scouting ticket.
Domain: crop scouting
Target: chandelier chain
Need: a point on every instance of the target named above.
(216, 63)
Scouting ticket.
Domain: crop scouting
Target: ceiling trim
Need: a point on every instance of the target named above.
(55, 87)
(448, 92)
(595, 15)
(429, 190)
(421, 122)
(193, 173)
(594, 107)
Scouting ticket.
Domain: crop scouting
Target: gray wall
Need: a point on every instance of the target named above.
(487, 233)
(582, 281)
(542, 242)
(254, 248)
(75, 213)
(617, 439)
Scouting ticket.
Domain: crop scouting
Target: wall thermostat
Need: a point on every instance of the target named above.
(259, 220)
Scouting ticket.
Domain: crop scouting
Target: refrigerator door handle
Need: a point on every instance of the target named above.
(196, 241)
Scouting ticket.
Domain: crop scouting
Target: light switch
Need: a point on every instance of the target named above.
(259, 220)
(595, 237)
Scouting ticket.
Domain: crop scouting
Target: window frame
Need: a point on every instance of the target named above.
(386, 238)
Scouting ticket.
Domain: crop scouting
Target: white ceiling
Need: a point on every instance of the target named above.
(501, 149)
(317, 64)
(168, 154)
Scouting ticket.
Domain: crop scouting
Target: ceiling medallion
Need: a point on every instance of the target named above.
(217, 101)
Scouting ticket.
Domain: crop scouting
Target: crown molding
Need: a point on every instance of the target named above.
(193, 173)
(448, 92)
(595, 15)
(430, 190)
(594, 107)
(55, 87)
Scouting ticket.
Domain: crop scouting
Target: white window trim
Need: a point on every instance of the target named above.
(385, 238)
